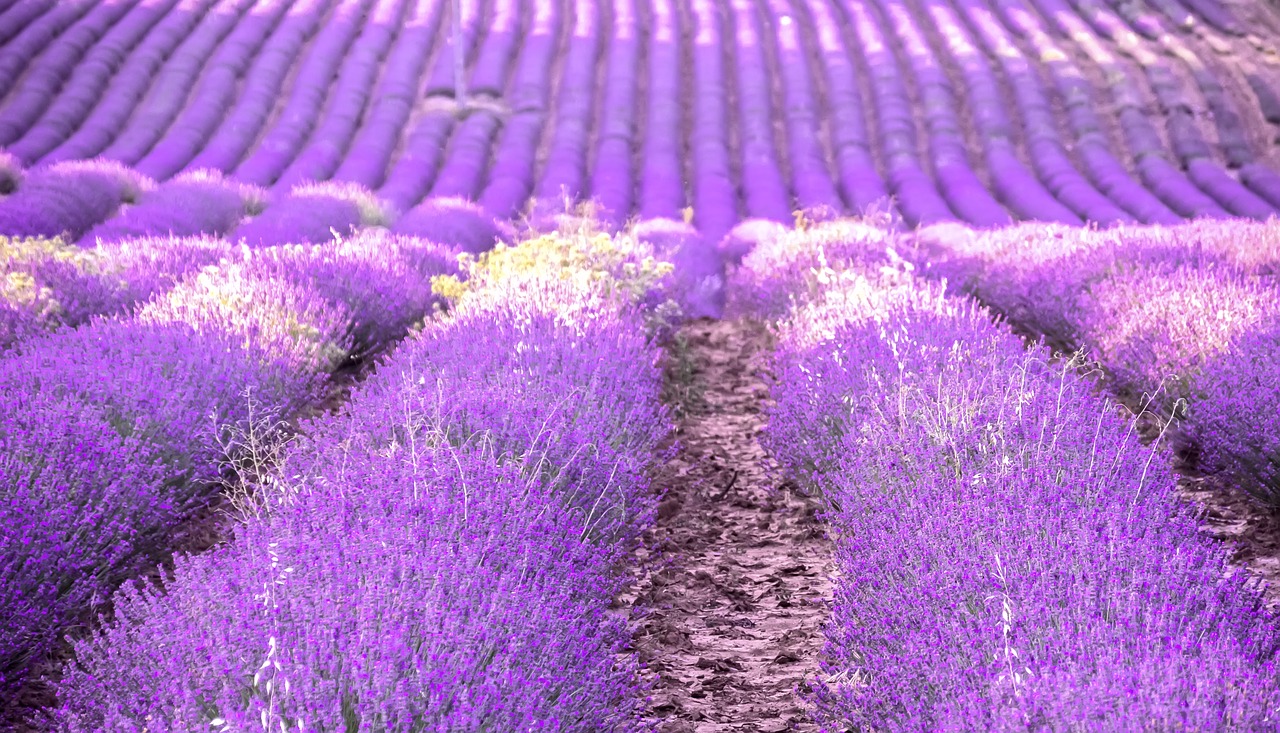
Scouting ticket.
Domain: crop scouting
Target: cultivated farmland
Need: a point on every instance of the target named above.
(639, 365)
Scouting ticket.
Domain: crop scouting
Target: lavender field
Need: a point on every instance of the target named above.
(686, 366)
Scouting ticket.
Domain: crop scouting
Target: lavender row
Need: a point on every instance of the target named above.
(44, 33)
(395, 98)
(562, 177)
(225, 47)
(264, 83)
(348, 98)
(81, 123)
(234, 100)
(312, 214)
(917, 196)
(282, 142)
(475, 22)
(1081, 101)
(79, 60)
(463, 168)
(1012, 181)
(1233, 139)
(511, 176)
(1160, 176)
(426, 142)
(713, 193)
(613, 173)
(1047, 154)
(807, 156)
(49, 283)
(469, 504)
(69, 198)
(152, 403)
(764, 188)
(16, 17)
(1189, 143)
(995, 574)
(200, 202)
(661, 191)
(860, 182)
(957, 181)
(1184, 319)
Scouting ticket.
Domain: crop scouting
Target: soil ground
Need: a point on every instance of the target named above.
(733, 582)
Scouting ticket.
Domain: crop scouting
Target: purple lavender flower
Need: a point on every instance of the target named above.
(452, 222)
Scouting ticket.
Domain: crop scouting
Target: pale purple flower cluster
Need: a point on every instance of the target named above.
(1011, 556)
(783, 265)
(116, 430)
(746, 236)
(68, 198)
(437, 557)
(48, 283)
(1188, 312)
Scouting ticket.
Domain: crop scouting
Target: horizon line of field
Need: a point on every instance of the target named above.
(722, 160)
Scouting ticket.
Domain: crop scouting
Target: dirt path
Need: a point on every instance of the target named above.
(735, 580)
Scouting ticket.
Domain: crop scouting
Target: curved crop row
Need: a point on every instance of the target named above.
(765, 191)
(83, 121)
(463, 169)
(224, 43)
(511, 175)
(660, 183)
(49, 283)
(916, 195)
(1048, 155)
(957, 181)
(713, 194)
(807, 156)
(860, 181)
(563, 171)
(370, 153)
(220, 142)
(334, 130)
(755, 109)
(295, 121)
(1015, 185)
(80, 61)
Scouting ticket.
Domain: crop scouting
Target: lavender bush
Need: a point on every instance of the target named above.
(48, 283)
(200, 202)
(313, 213)
(68, 198)
(452, 222)
(1012, 557)
(469, 504)
(242, 345)
(780, 269)
(697, 278)
(1185, 313)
